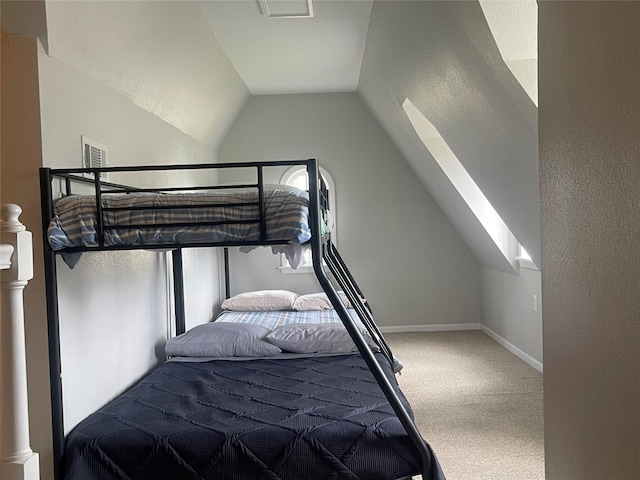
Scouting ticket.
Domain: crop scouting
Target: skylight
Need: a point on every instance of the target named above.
(462, 181)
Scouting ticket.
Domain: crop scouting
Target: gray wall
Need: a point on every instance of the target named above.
(508, 312)
(404, 253)
(120, 298)
(589, 184)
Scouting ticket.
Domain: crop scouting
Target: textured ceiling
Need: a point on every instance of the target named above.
(162, 55)
(514, 26)
(443, 58)
(195, 63)
(293, 55)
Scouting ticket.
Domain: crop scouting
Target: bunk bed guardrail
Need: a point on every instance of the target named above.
(320, 243)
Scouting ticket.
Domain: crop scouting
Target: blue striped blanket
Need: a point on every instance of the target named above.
(152, 223)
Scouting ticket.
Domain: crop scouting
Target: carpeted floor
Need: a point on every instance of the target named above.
(476, 404)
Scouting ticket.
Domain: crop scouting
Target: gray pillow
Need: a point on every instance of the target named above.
(220, 339)
(317, 338)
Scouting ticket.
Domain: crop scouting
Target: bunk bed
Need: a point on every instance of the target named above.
(339, 415)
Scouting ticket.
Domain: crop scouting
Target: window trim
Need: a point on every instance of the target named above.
(286, 177)
(524, 259)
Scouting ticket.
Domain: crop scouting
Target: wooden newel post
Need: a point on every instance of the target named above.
(17, 460)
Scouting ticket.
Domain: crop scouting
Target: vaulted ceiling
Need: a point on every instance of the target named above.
(195, 64)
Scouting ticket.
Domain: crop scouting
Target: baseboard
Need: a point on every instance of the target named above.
(430, 328)
(513, 349)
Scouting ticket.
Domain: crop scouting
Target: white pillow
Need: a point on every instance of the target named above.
(316, 338)
(318, 301)
(220, 339)
(266, 300)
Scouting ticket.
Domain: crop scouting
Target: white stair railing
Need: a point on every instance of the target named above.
(17, 460)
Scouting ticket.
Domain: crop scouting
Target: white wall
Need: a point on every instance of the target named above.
(589, 186)
(508, 314)
(411, 264)
(113, 306)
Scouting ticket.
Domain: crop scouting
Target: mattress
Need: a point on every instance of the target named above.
(181, 218)
(311, 418)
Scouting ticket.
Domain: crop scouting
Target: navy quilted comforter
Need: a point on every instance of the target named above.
(305, 418)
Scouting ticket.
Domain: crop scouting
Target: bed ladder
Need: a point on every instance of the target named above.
(347, 283)
(323, 248)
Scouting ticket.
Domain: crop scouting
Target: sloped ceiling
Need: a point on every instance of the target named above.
(514, 26)
(442, 56)
(163, 55)
(195, 64)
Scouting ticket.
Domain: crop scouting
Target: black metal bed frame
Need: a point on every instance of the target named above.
(321, 245)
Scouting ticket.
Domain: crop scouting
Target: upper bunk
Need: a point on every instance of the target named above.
(83, 211)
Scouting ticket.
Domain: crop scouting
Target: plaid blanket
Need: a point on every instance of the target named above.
(275, 319)
(184, 218)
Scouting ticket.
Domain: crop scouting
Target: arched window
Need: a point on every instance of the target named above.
(297, 177)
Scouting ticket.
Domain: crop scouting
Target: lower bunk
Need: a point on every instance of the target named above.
(252, 396)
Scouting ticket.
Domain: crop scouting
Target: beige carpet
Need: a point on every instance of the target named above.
(476, 404)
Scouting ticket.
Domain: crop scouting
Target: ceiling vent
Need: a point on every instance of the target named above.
(286, 8)
(94, 155)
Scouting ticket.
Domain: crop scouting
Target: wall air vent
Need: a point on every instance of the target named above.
(94, 155)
